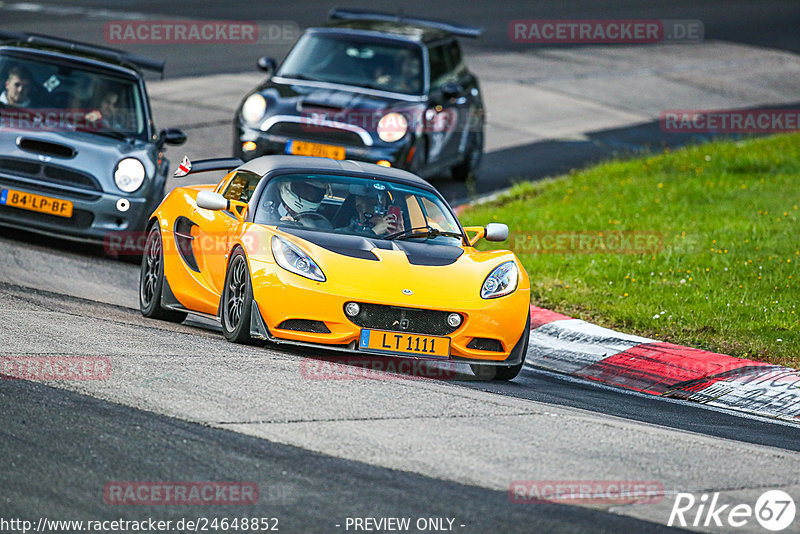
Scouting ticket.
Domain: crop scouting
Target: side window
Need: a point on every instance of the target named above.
(435, 216)
(242, 186)
(455, 59)
(439, 65)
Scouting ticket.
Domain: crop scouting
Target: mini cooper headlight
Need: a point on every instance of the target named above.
(501, 281)
(392, 127)
(129, 175)
(254, 108)
(295, 260)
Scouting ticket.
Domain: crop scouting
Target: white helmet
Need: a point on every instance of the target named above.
(300, 196)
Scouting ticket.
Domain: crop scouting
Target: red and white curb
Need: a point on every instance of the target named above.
(574, 347)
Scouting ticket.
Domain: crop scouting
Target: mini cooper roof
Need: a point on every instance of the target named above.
(410, 28)
(102, 54)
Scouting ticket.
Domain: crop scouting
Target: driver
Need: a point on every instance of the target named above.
(299, 197)
(373, 216)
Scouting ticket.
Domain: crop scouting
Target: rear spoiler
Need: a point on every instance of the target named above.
(206, 165)
(102, 52)
(460, 30)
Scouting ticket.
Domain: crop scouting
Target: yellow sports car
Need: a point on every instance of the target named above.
(336, 254)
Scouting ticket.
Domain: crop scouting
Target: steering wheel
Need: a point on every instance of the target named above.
(312, 219)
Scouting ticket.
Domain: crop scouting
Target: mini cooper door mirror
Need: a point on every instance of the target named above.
(451, 91)
(171, 136)
(267, 64)
(211, 201)
(496, 232)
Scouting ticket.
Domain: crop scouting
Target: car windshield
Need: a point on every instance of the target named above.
(355, 60)
(357, 206)
(47, 94)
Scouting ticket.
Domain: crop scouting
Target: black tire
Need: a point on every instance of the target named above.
(472, 159)
(237, 298)
(151, 280)
(506, 372)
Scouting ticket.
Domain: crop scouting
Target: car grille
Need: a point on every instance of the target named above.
(313, 132)
(397, 319)
(49, 173)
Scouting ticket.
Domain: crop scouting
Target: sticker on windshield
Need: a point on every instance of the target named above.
(51, 83)
(379, 187)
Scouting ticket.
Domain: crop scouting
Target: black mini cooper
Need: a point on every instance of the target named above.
(374, 87)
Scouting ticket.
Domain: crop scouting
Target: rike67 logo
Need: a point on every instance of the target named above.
(774, 510)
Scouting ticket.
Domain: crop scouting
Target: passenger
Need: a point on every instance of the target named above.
(373, 216)
(17, 87)
(107, 110)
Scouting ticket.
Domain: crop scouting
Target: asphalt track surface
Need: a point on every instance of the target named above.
(59, 447)
(62, 448)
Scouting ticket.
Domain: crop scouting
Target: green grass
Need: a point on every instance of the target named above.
(725, 275)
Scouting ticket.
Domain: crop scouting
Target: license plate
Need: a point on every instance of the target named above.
(400, 343)
(29, 201)
(303, 148)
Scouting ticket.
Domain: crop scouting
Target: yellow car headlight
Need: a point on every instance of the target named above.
(295, 260)
(501, 281)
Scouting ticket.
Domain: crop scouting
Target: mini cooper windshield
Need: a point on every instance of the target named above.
(357, 206)
(352, 60)
(56, 95)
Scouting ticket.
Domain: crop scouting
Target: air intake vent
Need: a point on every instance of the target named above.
(485, 343)
(304, 325)
(47, 149)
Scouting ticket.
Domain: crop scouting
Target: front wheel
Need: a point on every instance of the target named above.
(472, 158)
(506, 372)
(151, 280)
(237, 298)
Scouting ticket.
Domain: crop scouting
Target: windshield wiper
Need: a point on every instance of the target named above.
(111, 132)
(421, 231)
(300, 77)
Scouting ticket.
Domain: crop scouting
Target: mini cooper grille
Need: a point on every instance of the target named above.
(312, 132)
(485, 343)
(304, 325)
(48, 173)
(396, 319)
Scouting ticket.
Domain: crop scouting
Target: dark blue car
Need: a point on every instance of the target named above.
(372, 87)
